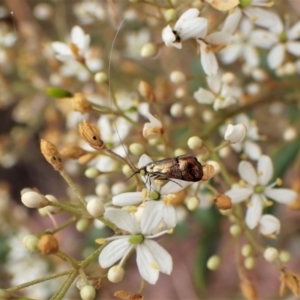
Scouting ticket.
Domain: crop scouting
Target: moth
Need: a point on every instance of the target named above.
(184, 167)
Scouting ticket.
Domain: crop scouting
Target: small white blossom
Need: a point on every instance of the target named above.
(235, 133)
(152, 129)
(269, 225)
(189, 25)
(220, 94)
(257, 190)
(151, 258)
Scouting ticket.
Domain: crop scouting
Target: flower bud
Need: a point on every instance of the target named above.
(213, 262)
(215, 165)
(235, 230)
(44, 211)
(126, 170)
(30, 242)
(91, 173)
(33, 199)
(102, 190)
(249, 263)
(190, 111)
(269, 225)
(223, 201)
(95, 207)
(194, 143)
(91, 134)
(147, 91)
(170, 15)
(192, 203)
(51, 154)
(177, 77)
(100, 77)
(290, 133)
(284, 256)
(115, 274)
(149, 50)
(176, 110)
(81, 104)
(82, 225)
(247, 250)
(136, 149)
(271, 254)
(235, 133)
(178, 152)
(88, 292)
(48, 244)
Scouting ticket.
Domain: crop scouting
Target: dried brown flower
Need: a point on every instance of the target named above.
(48, 244)
(247, 288)
(147, 91)
(91, 134)
(291, 280)
(123, 295)
(223, 201)
(81, 104)
(51, 154)
(208, 172)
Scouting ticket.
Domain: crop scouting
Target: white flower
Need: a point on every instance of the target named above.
(241, 45)
(220, 94)
(189, 25)
(235, 133)
(151, 258)
(257, 190)
(160, 196)
(248, 145)
(280, 40)
(78, 49)
(152, 129)
(269, 225)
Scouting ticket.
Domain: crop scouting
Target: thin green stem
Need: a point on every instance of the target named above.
(61, 227)
(92, 257)
(71, 183)
(39, 280)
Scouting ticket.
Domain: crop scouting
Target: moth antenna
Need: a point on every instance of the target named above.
(109, 95)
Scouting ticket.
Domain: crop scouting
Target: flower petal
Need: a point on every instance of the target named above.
(146, 263)
(144, 160)
(254, 211)
(247, 172)
(265, 169)
(194, 28)
(293, 47)
(218, 38)
(208, 60)
(151, 217)
(174, 186)
(284, 196)
(113, 252)
(252, 150)
(235, 133)
(269, 225)
(240, 194)
(122, 219)
(276, 56)
(204, 96)
(169, 216)
(127, 199)
(294, 32)
(162, 257)
(61, 48)
(232, 21)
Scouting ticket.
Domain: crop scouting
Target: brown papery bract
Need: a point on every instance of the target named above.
(51, 154)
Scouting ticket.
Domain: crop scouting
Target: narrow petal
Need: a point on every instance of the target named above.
(194, 28)
(208, 60)
(204, 96)
(252, 150)
(78, 37)
(144, 160)
(294, 32)
(232, 21)
(189, 14)
(263, 38)
(251, 56)
(169, 37)
(174, 186)
(293, 47)
(162, 257)
(214, 82)
(127, 199)
(284, 196)
(146, 264)
(269, 225)
(170, 216)
(61, 48)
(254, 211)
(261, 17)
(235, 133)
(265, 169)
(218, 38)
(113, 252)
(151, 217)
(276, 56)
(247, 173)
(240, 194)
(122, 219)
(231, 53)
